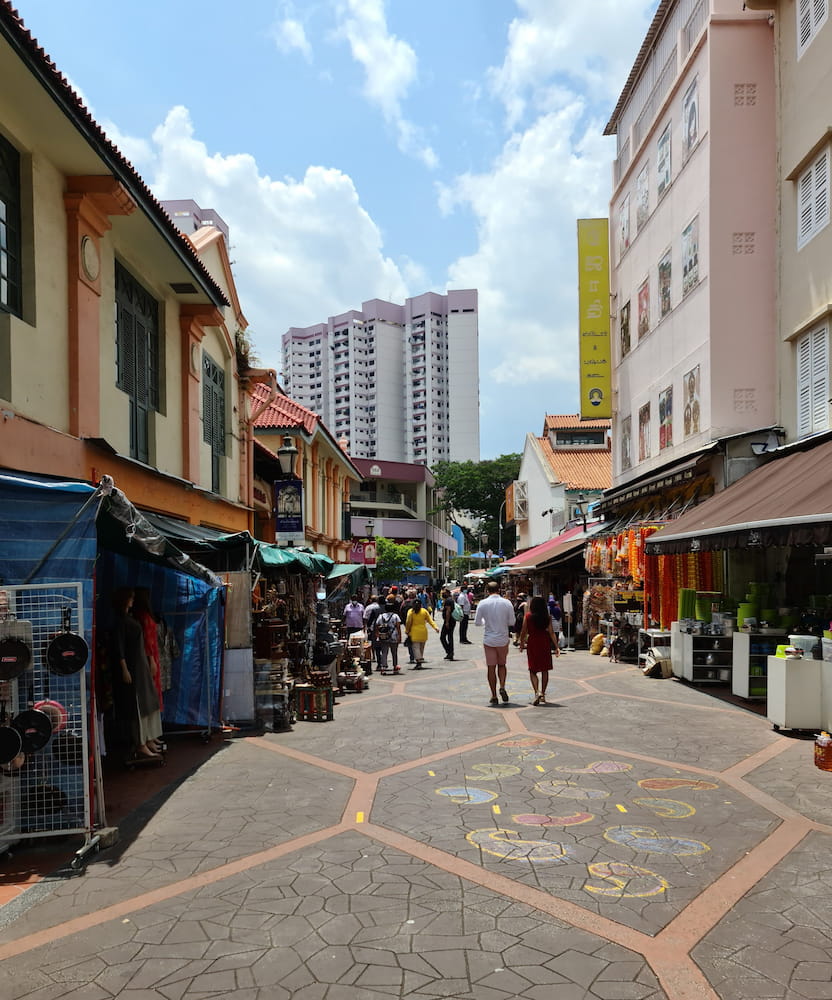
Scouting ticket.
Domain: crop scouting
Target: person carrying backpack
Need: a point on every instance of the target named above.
(388, 633)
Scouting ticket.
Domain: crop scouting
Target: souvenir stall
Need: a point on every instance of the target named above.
(296, 654)
(614, 603)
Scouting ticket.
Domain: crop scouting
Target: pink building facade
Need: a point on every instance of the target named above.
(693, 240)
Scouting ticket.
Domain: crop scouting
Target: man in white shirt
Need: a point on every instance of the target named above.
(497, 615)
(464, 601)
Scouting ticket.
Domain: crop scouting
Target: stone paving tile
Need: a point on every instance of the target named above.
(346, 920)
(792, 779)
(674, 733)
(562, 811)
(471, 687)
(777, 941)
(374, 735)
(243, 801)
(633, 682)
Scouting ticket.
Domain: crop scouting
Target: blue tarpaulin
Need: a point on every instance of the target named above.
(47, 534)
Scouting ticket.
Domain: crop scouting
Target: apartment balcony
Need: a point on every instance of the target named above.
(384, 501)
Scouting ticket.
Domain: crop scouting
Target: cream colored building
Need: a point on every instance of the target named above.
(118, 336)
(803, 47)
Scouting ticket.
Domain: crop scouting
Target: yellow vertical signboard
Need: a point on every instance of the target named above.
(594, 303)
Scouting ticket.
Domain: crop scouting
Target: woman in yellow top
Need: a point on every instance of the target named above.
(416, 627)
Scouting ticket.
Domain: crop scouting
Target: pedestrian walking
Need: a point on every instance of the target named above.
(520, 608)
(496, 615)
(389, 635)
(371, 612)
(539, 640)
(446, 636)
(464, 601)
(354, 615)
(416, 626)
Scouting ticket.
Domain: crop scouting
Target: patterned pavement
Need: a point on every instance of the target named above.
(634, 840)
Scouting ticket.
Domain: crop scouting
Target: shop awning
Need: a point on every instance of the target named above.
(274, 557)
(196, 535)
(787, 501)
(666, 479)
(532, 558)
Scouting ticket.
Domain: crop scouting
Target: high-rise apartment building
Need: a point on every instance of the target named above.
(399, 382)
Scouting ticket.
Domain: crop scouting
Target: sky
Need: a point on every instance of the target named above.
(363, 149)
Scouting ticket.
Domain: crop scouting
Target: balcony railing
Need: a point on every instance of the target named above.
(694, 25)
(383, 498)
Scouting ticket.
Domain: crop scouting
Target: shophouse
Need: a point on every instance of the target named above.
(118, 346)
(292, 441)
(693, 251)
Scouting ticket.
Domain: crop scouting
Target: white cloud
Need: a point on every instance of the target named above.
(390, 68)
(290, 36)
(593, 45)
(302, 249)
(524, 267)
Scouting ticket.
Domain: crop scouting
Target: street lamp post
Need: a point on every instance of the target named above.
(580, 509)
(370, 530)
(288, 502)
(500, 529)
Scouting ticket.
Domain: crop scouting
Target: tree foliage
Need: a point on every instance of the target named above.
(477, 490)
(393, 560)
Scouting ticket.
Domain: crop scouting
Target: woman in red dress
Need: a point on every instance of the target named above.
(539, 640)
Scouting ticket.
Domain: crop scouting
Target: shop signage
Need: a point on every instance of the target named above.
(357, 552)
(595, 364)
(288, 512)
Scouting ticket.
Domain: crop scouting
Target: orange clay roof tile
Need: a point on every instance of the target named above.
(579, 469)
(573, 422)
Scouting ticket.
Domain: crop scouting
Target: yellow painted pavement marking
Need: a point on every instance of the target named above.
(359, 817)
(496, 810)
(621, 808)
(541, 769)
(432, 774)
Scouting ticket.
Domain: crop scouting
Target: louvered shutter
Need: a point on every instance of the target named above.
(804, 386)
(804, 24)
(207, 409)
(140, 398)
(821, 191)
(819, 346)
(804, 208)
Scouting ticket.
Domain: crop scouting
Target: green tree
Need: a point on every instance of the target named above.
(477, 490)
(393, 560)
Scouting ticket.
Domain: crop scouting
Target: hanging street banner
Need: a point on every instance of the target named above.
(288, 512)
(370, 554)
(595, 361)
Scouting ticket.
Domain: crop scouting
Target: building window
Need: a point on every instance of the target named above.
(10, 297)
(813, 386)
(811, 15)
(213, 415)
(137, 356)
(813, 199)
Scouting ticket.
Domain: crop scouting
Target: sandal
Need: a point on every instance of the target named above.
(494, 701)
(538, 699)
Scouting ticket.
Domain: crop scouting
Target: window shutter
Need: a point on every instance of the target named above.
(125, 350)
(821, 192)
(207, 410)
(804, 386)
(804, 208)
(820, 378)
(804, 24)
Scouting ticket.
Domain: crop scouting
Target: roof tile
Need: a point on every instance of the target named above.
(579, 469)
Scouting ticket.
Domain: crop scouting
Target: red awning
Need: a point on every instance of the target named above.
(572, 539)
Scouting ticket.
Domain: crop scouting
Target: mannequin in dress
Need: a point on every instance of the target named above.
(136, 699)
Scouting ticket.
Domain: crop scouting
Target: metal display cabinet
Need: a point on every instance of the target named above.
(702, 659)
(751, 653)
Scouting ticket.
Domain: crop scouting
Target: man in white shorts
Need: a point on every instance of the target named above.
(497, 615)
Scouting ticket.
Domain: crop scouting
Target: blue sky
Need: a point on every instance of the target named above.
(376, 148)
